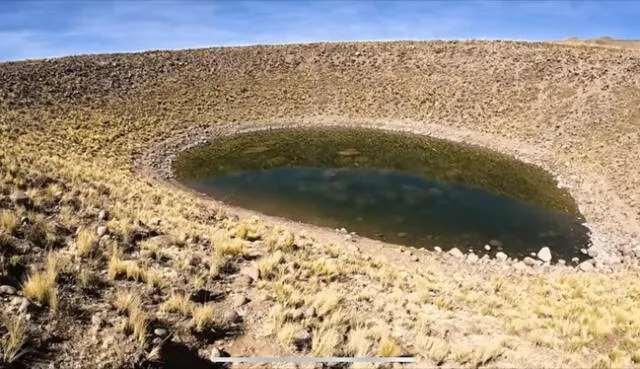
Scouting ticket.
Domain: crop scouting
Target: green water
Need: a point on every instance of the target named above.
(396, 187)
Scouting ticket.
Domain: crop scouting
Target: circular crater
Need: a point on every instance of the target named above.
(397, 187)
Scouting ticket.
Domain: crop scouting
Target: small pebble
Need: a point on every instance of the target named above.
(24, 306)
(232, 317)
(160, 332)
(501, 256)
(240, 300)
(7, 290)
(101, 231)
(310, 312)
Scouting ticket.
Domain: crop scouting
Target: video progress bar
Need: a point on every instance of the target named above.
(313, 359)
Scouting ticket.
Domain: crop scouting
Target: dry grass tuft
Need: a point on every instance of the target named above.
(326, 342)
(268, 266)
(358, 342)
(87, 278)
(127, 301)
(178, 303)
(326, 301)
(12, 344)
(86, 242)
(130, 303)
(433, 348)
(288, 332)
(227, 246)
(42, 286)
(389, 348)
(9, 221)
(204, 316)
(477, 356)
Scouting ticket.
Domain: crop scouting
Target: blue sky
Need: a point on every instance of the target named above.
(49, 28)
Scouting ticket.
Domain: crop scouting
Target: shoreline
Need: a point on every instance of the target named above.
(607, 240)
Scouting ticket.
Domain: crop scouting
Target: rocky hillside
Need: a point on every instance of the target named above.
(104, 266)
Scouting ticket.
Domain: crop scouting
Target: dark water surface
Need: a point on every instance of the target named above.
(400, 188)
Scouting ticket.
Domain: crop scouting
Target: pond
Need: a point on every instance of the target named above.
(396, 187)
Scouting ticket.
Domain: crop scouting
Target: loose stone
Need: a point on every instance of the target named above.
(456, 253)
(160, 332)
(544, 254)
(586, 266)
(501, 256)
(472, 258)
(101, 231)
(310, 312)
(303, 340)
(531, 261)
(251, 272)
(7, 290)
(239, 300)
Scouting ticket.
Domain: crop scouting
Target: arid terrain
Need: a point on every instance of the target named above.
(107, 263)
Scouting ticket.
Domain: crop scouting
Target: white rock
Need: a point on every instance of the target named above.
(7, 290)
(455, 252)
(160, 332)
(437, 249)
(531, 261)
(487, 247)
(561, 261)
(544, 254)
(472, 258)
(501, 256)
(520, 266)
(586, 266)
(103, 215)
(101, 231)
